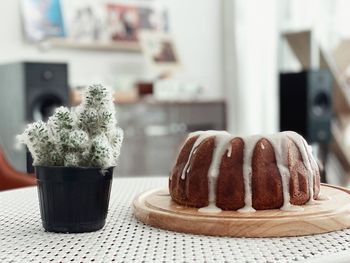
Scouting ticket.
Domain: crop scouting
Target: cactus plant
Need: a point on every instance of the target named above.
(85, 136)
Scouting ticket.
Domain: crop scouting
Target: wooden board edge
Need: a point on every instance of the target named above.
(239, 228)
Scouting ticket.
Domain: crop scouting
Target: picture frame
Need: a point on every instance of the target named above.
(84, 20)
(124, 21)
(41, 19)
(160, 51)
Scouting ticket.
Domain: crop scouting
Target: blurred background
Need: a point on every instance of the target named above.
(180, 66)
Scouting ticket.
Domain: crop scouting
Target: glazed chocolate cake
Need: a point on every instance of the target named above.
(217, 171)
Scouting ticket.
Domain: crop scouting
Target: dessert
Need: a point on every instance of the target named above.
(217, 171)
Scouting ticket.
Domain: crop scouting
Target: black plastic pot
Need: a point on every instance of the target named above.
(73, 199)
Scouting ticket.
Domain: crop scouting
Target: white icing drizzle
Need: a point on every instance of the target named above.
(221, 139)
(249, 145)
(279, 142)
(323, 197)
(229, 150)
(211, 208)
(202, 135)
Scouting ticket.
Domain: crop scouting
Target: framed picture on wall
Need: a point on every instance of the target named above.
(125, 21)
(160, 51)
(153, 19)
(42, 19)
(84, 19)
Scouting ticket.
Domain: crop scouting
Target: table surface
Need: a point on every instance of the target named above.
(22, 238)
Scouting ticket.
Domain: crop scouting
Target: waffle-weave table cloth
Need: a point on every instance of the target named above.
(124, 239)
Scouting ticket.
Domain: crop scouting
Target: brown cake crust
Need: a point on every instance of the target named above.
(193, 191)
(298, 185)
(266, 181)
(230, 184)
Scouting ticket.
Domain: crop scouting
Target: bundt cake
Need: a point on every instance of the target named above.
(217, 171)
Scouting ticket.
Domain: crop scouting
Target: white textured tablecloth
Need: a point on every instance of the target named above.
(124, 239)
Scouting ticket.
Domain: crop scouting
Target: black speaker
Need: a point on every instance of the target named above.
(306, 104)
(30, 92)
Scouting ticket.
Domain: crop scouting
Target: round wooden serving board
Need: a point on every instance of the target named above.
(156, 208)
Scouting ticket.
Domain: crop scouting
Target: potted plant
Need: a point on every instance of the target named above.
(74, 154)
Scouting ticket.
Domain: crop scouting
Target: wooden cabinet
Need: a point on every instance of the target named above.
(154, 132)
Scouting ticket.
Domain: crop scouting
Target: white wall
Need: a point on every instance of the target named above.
(195, 24)
(250, 43)
(197, 28)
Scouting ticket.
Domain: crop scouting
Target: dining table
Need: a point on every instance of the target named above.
(125, 239)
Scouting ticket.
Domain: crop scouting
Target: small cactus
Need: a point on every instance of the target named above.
(86, 136)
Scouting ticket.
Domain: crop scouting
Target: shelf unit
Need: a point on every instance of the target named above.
(302, 43)
(66, 43)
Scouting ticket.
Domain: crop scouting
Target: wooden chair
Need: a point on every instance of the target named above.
(10, 178)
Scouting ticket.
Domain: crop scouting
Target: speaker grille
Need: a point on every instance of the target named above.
(306, 104)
